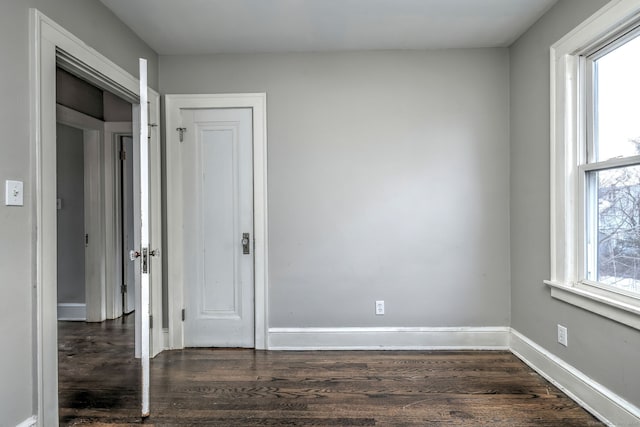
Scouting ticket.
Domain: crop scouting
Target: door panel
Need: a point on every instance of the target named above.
(218, 209)
(219, 233)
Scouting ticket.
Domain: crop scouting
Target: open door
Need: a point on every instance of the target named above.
(141, 254)
(144, 235)
(147, 229)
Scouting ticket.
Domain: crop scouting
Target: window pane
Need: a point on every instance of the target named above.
(616, 103)
(616, 228)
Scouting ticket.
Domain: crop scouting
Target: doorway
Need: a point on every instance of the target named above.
(177, 267)
(51, 45)
(70, 223)
(94, 222)
(125, 226)
(91, 218)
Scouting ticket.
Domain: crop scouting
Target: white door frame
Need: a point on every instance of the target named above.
(155, 224)
(51, 45)
(174, 238)
(113, 131)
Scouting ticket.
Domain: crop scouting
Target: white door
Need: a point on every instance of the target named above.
(148, 231)
(218, 227)
(142, 253)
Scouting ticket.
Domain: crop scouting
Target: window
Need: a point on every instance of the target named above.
(595, 164)
(611, 168)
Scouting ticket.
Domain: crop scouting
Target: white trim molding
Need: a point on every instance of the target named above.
(112, 221)
(603, 403)
(390, 338)
(72, 311)
(165, 338)
(611, 308)
(175, 268)
(29, 422)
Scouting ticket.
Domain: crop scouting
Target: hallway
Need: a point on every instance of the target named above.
(99, 384)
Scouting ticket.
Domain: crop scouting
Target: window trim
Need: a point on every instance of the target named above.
(568, 162)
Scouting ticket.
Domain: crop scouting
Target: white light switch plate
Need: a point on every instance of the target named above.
(13, 195)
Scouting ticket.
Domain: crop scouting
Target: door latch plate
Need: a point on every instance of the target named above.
(246, 244)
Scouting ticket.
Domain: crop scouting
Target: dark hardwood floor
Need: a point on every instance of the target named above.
(99, 385)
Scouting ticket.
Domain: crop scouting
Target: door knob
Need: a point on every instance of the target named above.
(133, 255)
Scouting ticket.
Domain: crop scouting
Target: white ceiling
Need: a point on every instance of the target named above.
(231, 26)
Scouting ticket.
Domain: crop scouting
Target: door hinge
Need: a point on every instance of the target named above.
(181, 132)
(150, 322)
(183, 315)
(123, 288)
(123, 155)
(86, 240)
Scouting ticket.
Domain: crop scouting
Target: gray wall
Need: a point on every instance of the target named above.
(116, 109)
(606, 351)
(388, 179)
(16, 223)
(79, 95)
(70, 189)
(92, 22)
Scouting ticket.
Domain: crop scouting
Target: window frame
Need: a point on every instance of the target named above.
(571, 113)
(587, 159)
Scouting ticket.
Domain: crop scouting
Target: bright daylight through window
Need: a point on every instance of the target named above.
(612, 181)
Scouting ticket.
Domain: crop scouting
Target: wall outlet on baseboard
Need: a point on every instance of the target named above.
(379, 308)
(562, 335)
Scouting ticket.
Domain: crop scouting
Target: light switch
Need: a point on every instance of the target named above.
(13, 195)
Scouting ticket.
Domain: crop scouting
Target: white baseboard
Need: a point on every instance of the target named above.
(455, 338)
(607, 406)
(603, 403)
(72, 311)
(29, 422)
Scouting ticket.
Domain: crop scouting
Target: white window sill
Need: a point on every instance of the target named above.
(611, 308)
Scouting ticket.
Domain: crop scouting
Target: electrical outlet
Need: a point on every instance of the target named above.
(562, 335)
(379, 308)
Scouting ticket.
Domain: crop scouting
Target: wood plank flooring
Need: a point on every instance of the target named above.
(99, 385)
